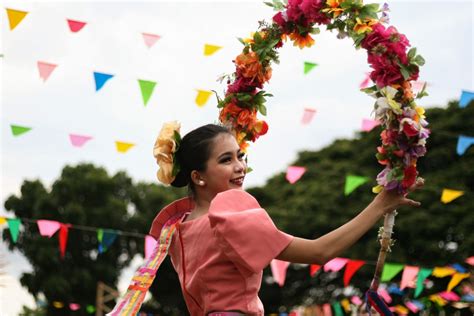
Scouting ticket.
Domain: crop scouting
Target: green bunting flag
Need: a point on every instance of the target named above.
(422, 275)
(18, 130)
(337, 309)
(146, 88)
(308, 66)
(352, 182)
(14, 225)
(390, 270)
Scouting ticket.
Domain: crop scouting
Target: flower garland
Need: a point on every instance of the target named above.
(404, 125)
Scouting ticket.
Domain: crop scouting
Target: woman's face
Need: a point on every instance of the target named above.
(225, 167)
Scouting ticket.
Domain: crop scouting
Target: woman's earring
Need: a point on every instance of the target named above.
(201, 183)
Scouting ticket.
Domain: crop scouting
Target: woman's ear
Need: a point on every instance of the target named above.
(197, 179)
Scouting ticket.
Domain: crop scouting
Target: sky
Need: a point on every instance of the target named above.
(111, 42)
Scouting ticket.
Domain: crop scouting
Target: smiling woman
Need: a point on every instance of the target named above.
(224, 239)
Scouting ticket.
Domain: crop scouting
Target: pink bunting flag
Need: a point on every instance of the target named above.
(417, 86)
(356, 300)
(365, 83)
(74, 306)
(327, 309)
(470, 260)
(385, 295)
(308, 115)
(75, 26)
(150, 39)
(409, 277)
(279, 268)
(450, 296)
(150, 244)
(368, 125)
(335, 264)
(294, 173)
(45, 69)
(78, 140)
(47, 228)
(412, 307)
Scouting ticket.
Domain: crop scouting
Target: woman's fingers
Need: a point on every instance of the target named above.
(411, 202)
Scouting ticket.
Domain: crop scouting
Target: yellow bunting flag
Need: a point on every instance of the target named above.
(401, 310)
(437, 299)
(3, 220)
(458, 277)
(441, 272)
(346, 305)
(58, 304)
(123, 147)
(202, 97)
(15, 17)
(210, 49)
(449, 195)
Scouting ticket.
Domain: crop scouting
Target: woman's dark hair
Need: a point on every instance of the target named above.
(194, 151)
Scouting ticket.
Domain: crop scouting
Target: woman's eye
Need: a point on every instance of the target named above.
(225, 160)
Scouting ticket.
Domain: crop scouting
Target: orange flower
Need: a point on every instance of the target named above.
(245, 118)
(407, 91)
(301, 41)
(250, 67)
(334, 7)
(229, 110)
(261, 127)
(364, 27)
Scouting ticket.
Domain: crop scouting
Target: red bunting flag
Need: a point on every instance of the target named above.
(351, 268)
(63, 234)
(313, 269)
(75, 26)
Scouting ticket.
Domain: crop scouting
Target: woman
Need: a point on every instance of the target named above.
(223, 238)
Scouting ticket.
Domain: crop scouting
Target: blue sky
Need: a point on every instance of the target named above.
(111, 43)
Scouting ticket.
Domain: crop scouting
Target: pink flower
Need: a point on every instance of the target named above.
(386, 71)
(312, 11)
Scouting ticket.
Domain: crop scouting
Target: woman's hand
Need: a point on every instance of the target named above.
(389, 201)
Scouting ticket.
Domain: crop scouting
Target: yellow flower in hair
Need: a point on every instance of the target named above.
(164, 149)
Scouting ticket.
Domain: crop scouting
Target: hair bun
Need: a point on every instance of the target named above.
(181, 179)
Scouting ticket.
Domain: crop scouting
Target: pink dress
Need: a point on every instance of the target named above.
(219, 257)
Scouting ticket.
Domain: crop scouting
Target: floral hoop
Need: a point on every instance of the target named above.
(404, 126)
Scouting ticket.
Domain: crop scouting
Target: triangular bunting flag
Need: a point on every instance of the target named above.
(308, 115)
(202, 97)
(14, 226)
(409, 277)
(150, 244)
(75, 26)
(210, 49)
(346, 305)
(418, 85)
(385, 295)
(390, 270)
(459, 268)
(15, 17)
(100, 79)
(150, 39)
(78, 140)
(18, 130)
(308, 66)
(356, 300)
(63, 234)
(437, 299)
(3, 220)
(401, 310)
(74, 306)
(422, 275)
(353, 182)
(294, 173)
(412, 307)
(466, 98)
(146, 87)
(58, 305)
(123, 147)
(327, 311)
(470, 260)
(313, 268)
(441, 272)
(365, 83)
(368, 125)
(106, 238)
(48, 228)
(336, 306)
(449, 195)
(464, 142)
(457, 277)
(279, 268)
(335, 264)
(450, 296)
(45, 69)
(351, 268)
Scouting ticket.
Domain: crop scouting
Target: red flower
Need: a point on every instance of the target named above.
(410, 130)
(409, 177)
(312, 11)
(242, 84)
(386, 72)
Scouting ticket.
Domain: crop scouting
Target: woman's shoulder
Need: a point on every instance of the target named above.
(173, 210)
(234, 200)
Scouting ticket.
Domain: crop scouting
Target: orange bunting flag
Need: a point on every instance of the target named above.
(313, 269)
(15, 17)
(202, 97)
(210, 49)
(449, 195)
(346, 305)
(58, 304)
(75, 26)
(457, 277)
(78, 140)
(409, 277)
(45, 69)
(308, 115)
(401, 310)
(150, 39)
(441, 272)
(351, 268)
(123, 147)
(63, 234)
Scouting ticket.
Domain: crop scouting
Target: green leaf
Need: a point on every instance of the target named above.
(419, 60)
(412, 53)
(263, 109)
